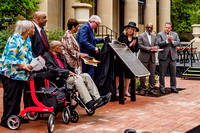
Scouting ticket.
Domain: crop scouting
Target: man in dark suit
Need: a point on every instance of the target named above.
(39, 39)
(168, 41)
(87, 41)
(147, 46)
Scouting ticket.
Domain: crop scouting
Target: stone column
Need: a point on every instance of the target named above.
(164, 13)
(54, 14)
(150, 14)
(130, 11)
(105, 12)
(69, 11)
(44, 8)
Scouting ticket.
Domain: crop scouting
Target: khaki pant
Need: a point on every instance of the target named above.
(85, 86)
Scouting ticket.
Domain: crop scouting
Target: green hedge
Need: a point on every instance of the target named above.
(55, 35)
(52, 35)
(4, 35)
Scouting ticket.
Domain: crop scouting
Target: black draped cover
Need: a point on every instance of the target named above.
(104, 73)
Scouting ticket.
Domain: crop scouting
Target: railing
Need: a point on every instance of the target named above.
(103, 30)
(189, 54)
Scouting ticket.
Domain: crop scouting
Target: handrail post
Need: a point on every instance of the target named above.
(191, 54)
(184, 59)
(102, 32)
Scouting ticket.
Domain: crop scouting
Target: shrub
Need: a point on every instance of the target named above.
(99, 45)
(4, 35)
(55, 35)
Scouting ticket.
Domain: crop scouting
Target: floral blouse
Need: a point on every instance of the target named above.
(71, 50)
(16, 51)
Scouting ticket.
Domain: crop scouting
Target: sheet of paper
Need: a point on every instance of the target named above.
(38, 63)
(157, 50)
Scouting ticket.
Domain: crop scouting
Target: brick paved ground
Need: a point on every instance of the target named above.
(174, 113)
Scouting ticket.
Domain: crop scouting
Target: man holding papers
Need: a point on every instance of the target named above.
(148, 48)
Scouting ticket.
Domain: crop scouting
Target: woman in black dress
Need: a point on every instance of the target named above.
(128, 37)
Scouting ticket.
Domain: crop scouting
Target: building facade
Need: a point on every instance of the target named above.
(114, 13)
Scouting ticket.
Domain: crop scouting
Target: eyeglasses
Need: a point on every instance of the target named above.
(97, 24)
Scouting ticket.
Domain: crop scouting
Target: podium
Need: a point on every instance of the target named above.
(130, 62)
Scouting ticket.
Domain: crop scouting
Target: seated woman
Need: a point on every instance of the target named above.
(17, 54)
(88, 91)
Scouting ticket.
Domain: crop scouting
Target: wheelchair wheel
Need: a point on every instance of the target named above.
(32, 115)
(14, 122)
(90, 113)
(51, 122)
(74, 116)
(66, 116)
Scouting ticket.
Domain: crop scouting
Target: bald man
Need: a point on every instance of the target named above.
(148, 48)
(83, 83)
(39, 39)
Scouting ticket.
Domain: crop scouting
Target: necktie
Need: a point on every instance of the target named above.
(44, 40)
(169, 52)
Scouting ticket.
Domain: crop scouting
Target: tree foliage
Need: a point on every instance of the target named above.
(4, 35)
(16, 8)
(183, 14)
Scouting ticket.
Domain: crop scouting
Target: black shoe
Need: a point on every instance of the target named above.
(174, 91)
(162, 91)
(106, 97)
(97, 102)
(3, 124)
(151, 92)
(90, 105)
(24, 120)
(102, 103)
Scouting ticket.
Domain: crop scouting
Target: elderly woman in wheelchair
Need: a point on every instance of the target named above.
(83, 83)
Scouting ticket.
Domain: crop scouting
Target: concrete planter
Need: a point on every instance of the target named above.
(82, 12)
(196, 31)
(196, 34)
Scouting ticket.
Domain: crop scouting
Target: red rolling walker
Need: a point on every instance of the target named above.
(14, 121)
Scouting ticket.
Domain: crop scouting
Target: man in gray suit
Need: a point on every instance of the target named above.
(147, 46)
(168, 41)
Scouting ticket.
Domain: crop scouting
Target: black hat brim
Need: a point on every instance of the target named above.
(132, 26)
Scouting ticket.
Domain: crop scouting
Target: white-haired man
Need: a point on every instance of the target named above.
(87, 41)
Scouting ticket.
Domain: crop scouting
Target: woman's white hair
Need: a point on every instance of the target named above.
(22, 26)
(95, 18)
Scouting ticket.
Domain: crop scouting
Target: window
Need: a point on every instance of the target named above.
(141, 5)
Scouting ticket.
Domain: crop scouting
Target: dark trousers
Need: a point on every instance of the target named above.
(88, 69)
(11, 97)
(152, 68)
(163, 65)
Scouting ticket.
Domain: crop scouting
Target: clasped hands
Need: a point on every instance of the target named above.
(170, 39)
(132, 43)
(154, 48)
